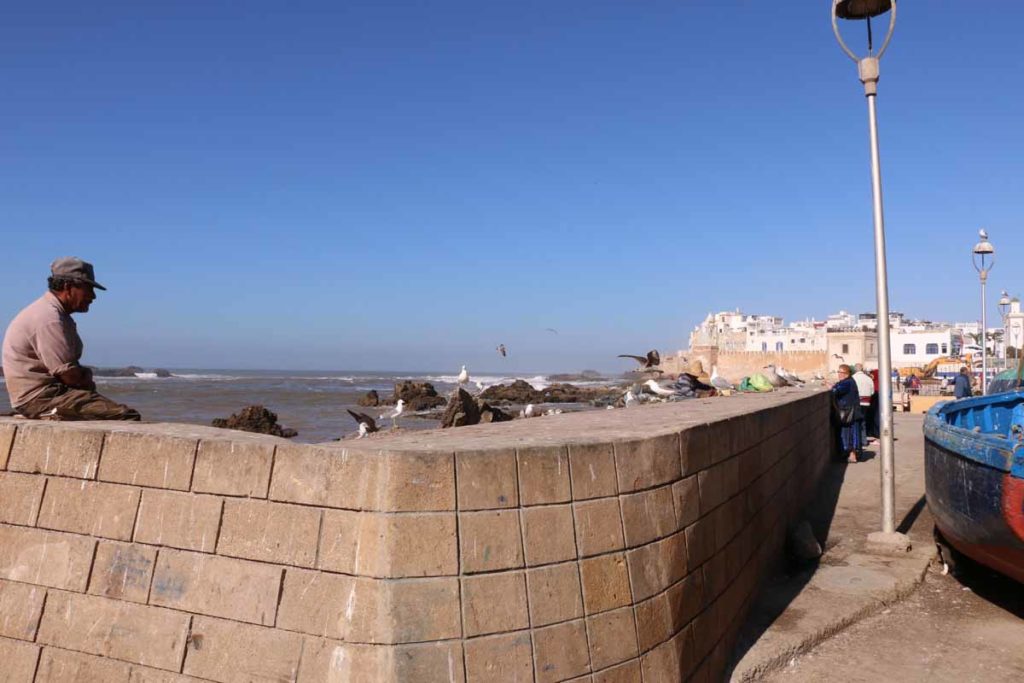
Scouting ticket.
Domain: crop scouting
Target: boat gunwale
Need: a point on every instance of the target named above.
(995, 451)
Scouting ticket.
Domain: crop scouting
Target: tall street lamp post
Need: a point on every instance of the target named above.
(983, 250)
(867, 70)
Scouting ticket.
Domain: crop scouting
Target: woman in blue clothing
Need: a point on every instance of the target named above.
(847, 398)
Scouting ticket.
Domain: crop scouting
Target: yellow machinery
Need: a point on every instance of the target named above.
(928, 370)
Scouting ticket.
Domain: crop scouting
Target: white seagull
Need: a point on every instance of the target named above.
(630, 397)
(463, 376)
(479, 385)
(719, 382)
(399, 408)
(658, 389)
(363, 431)
(529, 410)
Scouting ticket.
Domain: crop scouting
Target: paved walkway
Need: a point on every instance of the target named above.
(804, 606)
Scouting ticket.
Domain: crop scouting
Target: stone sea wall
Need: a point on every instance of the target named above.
(590, 547)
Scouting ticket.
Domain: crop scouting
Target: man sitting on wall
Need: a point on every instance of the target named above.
(42, 350)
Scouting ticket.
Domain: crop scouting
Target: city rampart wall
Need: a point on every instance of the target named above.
(592, 546)
(735, 365)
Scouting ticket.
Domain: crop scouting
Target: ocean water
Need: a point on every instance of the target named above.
(313, 403)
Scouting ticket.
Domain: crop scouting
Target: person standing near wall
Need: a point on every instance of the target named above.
(42, 352)
(851, 418)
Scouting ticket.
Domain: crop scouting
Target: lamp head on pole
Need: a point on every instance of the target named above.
(862, 9)
(983, 250)
(1004, 304)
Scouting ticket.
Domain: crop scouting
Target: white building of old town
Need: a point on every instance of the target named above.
(844, 337)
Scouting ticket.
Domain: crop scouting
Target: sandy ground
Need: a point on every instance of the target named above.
(968, 627)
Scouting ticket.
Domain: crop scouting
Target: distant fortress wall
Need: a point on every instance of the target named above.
(601, 545)
(734, 365)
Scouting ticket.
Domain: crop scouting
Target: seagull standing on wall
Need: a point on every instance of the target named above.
(719, 382)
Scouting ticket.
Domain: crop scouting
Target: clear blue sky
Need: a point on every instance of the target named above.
(386, 185)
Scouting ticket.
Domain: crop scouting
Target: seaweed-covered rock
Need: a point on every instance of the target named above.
(255, 419)
(520, 391)
(462, 410)
(417, 395)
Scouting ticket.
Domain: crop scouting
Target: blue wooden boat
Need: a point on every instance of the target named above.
(974, 478)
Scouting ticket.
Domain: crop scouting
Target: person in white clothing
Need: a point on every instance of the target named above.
(865, 388)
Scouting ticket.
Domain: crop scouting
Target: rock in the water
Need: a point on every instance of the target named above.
(161, 372)
(462, 410)
(116, 372)
(255, 419)
(417, 395)
(570, 393)
(805, 546)
(372, 399)
(520, 391)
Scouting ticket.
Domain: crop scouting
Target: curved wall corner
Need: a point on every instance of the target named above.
(592, 546)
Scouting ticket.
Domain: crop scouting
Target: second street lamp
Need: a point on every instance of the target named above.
(1004, 308)
(983, 250)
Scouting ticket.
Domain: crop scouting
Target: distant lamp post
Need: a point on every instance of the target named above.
(1004, 308)
(984, 257)
(867, 70)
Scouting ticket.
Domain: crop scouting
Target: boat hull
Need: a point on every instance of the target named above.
(977, 509)
(974, 479)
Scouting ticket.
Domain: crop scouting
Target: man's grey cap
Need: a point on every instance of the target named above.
(74, 268)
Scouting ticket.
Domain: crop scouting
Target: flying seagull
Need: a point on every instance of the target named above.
(502, 350)
(551, 329)
(658, 389)
(364, 419)
(651, 360)
(719, 382)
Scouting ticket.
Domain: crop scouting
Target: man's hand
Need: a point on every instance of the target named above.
(78, 378)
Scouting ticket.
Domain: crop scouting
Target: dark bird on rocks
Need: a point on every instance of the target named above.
(502, 350)
(651, 360)
(364, 419)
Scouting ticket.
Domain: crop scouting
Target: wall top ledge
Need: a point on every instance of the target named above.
(587, 427)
